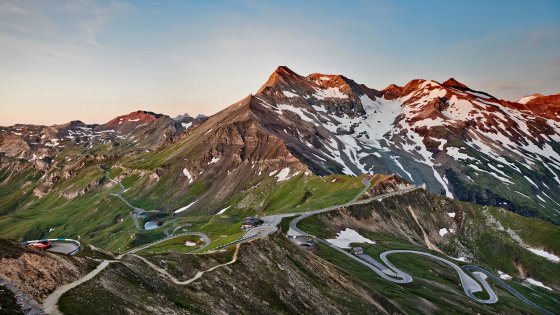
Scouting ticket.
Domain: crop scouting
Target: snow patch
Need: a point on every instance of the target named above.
(348, 236)
(185, 207)
(504, 276)
(442, 143)
(402, 168)
(188, 175)
(214, 160)
(454, 153)
(223, 210)
(503, 179)
(461, 109)
(283, 174)
(430, 122)
(530, 181)
(303, 114)
(289, 94)
(544, 254)
(526, 99)
(537, 283)
(329, 93)
(415, 144)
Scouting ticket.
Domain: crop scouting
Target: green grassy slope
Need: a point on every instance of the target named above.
(83, 208)
(493, 238)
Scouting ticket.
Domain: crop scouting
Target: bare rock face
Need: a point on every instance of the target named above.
(73, 192)
(145, 130)
(392, 92)
(451, 82)
(446, 135)
(226, 152)
(138, 117)
(547, 106)
(544, 99)
(50, 155)
(37, 273)
(13, 145)
(386, 183)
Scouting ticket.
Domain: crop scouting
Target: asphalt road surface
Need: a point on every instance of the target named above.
(511, 290)
(50, 303)
(62, 247)
(294, 231)
(474, 282)
(469, 284)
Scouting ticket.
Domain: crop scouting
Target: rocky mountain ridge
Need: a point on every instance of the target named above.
(460, 142)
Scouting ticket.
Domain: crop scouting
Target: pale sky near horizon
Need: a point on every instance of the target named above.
(94, 60)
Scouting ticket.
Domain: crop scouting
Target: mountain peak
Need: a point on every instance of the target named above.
(451, 82)
(281, 76)
(182, 117)
(282, 73)
(392, 91)
(537, 98)
(329, 79)
(525, 99)
(139, 116)
(391, 87)
(284, 70)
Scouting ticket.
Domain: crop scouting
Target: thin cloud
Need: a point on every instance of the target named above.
(97, 19)
(477, 42)
(11, 8)
(68, 21)
(512, 85)
(93, 28)
(32, 48)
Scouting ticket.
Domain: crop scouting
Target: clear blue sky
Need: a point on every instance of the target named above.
(93, 60)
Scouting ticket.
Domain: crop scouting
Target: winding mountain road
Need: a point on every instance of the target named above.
(469, 284)
(504, 285)
(135, 210)
(294, 231)
(270, 226)
(202, 236)
(50, 304)
(196, 276)
(475, 282)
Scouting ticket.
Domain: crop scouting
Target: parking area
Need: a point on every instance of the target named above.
(59, 245)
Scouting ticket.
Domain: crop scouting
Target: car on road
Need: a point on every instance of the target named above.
(250, 222)
(41, 244)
